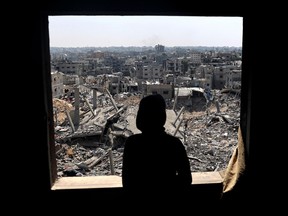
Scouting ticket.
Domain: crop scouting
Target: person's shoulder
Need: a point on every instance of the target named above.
(132, 141)
(170, 136)
(173, 138)
(133, 137)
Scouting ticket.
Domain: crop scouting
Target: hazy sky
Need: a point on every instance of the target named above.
(104, 31)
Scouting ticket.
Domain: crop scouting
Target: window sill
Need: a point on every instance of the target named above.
(94, 182)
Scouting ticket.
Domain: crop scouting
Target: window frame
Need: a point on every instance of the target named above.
(202, 178)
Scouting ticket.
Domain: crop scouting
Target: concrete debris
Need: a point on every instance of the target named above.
(60, 107)
(208, 130)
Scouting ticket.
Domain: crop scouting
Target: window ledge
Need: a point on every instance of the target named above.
(92, 182)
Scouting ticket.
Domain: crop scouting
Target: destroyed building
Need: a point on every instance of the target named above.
(90, 140)
(207, 126)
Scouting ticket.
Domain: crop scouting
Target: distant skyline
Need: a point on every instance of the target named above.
(170, 31)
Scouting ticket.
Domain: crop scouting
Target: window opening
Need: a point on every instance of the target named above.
(95, 105)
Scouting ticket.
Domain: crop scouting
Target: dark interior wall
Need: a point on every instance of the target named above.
(37, 183)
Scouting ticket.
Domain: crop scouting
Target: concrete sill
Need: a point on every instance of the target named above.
(94, 182)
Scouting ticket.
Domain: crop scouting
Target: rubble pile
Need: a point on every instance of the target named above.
(208, 131)
(60, 107)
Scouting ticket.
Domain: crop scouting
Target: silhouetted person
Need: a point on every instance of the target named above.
(154, 162)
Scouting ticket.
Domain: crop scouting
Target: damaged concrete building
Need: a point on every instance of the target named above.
(101, 122)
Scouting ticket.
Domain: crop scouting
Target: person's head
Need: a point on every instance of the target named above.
(151, 114)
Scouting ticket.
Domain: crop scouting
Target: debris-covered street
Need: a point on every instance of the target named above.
(209, 132)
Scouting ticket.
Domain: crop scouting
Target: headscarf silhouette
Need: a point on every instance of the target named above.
(151, 116)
